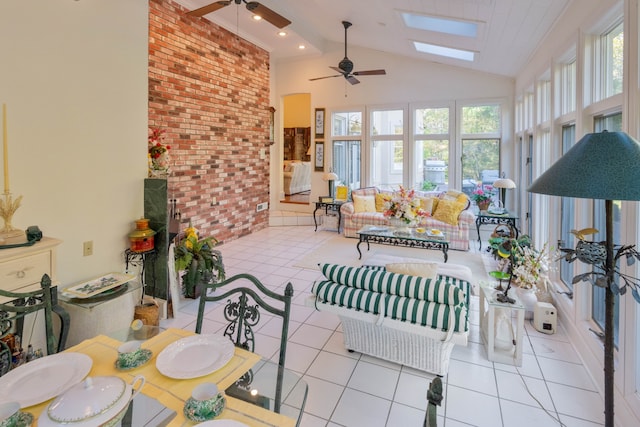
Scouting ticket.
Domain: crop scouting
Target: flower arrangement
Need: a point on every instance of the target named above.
(199, 261)
(403, 205)
(158, 154)
(528, 266)
(531, 268)
(479, 195)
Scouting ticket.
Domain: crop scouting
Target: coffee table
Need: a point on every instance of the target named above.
(397, 237)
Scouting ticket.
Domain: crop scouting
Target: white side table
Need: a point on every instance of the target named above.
(489, 306)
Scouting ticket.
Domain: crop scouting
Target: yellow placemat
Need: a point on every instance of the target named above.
(173, 393)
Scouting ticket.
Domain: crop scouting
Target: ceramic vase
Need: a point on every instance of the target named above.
(483, 205)
(528, 298)
(159, 167)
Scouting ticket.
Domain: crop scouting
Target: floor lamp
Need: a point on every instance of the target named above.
(602, 166)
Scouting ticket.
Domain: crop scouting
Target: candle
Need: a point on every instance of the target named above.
(5, 148)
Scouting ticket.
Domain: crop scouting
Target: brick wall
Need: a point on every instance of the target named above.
(210, 91)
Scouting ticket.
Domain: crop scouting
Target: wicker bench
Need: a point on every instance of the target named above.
(404, 319)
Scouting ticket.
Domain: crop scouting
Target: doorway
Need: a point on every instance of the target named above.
(296, 150)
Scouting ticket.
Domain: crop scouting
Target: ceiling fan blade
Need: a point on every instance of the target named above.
(370, 73)
(337, 70)
(325, 77)
(204, 10)
(268, 14)
(352, 80)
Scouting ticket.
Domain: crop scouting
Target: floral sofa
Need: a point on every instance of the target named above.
(297, 177)
(454, 217)
(403, 316)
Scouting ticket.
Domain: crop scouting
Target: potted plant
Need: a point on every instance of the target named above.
(482, 198)
(199, 262)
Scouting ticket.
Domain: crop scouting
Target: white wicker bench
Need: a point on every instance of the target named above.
(372, 324)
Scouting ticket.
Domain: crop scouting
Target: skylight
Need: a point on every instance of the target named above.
(449, 52)
(440, 25)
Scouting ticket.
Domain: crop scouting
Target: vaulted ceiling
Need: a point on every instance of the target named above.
(508, 30)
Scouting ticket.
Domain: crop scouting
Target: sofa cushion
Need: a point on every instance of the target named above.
(363, 203)
(429, 204)
(422, 269)
(394, 284)
(412, 310)
(448, 211)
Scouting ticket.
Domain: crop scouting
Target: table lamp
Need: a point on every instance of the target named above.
(330, 177)
(602, 166)
(503, 184)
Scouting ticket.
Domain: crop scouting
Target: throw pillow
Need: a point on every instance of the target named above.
(428, 270)
(364, 203)
(429, 204)
(381, 198)
(448, 211)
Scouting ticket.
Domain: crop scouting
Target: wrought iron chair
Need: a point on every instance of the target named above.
(434, 399)
(243, 314)
(15, 306)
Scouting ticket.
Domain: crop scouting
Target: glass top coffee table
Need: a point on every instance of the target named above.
(386, 235)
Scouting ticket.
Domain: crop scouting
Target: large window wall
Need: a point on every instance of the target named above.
(412, 146)
(592, 85)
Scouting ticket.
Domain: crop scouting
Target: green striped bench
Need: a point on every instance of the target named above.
(406, 319)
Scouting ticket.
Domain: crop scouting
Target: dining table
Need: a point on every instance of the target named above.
(162, 398)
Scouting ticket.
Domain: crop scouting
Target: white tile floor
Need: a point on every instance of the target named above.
(355, 390)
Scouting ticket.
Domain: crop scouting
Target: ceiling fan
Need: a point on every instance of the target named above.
(253, 6)
(345, 67)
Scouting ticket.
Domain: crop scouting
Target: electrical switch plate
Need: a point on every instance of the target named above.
(87, 248)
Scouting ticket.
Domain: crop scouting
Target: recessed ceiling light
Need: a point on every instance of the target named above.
(282, 33)
(257, 17)
(441, 25)
(465, 55)
(301, 46)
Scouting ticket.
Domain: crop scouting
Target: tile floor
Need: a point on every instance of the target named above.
(355, 390)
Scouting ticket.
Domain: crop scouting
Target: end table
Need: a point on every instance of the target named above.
(328, 207)
(485, 217)
(489, 307)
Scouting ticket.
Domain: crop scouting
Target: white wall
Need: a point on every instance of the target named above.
(74, 77)
(407, 80)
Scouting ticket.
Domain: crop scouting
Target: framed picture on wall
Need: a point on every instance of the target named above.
(319, 164)
(319, 122)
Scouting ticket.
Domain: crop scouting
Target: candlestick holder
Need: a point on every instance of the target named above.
(8, 207)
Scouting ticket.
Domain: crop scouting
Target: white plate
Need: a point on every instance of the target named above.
(42, 379)
(195, 356)
(432, 234)
(222, 423)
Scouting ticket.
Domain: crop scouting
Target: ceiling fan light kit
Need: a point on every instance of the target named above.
(345, 67)
(252, 6)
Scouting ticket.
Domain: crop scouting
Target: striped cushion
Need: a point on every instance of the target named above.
(394, 284)
(463, 285)
(420, 312)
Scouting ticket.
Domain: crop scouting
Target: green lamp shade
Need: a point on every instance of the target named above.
(602, 165)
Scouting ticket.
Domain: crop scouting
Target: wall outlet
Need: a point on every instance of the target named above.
(262, 206)
(87, 248)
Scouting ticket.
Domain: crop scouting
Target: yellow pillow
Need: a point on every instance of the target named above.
(381, 198)
(422, 269)
(364, 203)
(448, 211)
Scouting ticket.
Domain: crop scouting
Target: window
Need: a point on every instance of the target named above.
(608, 64)
(567, 88)
(567, 212)
(612, 123)
(480, 146)
(431, 159)
(346, 133)
(387, 148)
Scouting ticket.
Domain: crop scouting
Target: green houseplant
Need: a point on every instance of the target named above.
(199, 261)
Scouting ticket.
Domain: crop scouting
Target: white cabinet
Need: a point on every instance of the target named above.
(21, 269)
